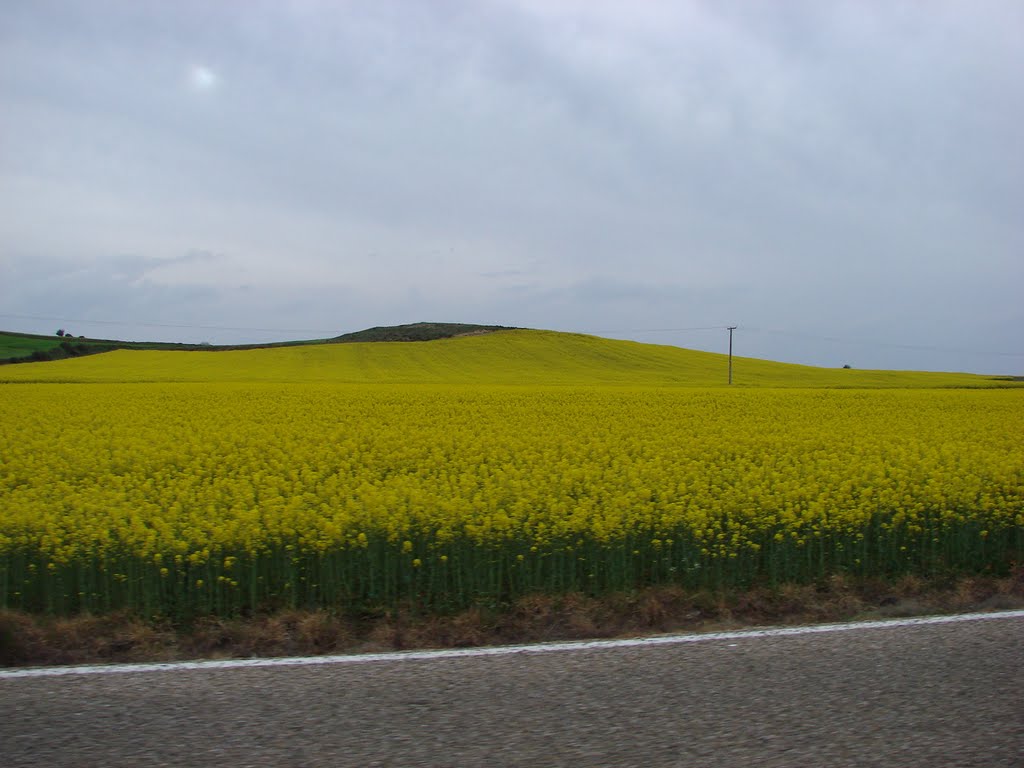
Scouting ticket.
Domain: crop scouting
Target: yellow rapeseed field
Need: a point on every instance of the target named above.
(183, 497)
(512, 358)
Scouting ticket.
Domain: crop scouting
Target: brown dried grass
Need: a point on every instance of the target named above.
(119, 637)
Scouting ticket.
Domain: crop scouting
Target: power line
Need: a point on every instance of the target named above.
(167, 325)
(770, 331)
(663, 330)
(831, 339)
(54, 319)
(888, 344)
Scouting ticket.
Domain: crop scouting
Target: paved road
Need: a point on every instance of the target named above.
(924, 695)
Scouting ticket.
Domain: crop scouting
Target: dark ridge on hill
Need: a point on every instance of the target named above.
(36, 348)
(417, 332)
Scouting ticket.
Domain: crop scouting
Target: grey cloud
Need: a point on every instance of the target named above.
(850, 167)
(503, 273)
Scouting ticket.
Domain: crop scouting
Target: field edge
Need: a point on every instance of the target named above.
(122, 637)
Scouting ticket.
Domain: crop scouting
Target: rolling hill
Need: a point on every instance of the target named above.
(30, 347)
(482, 356)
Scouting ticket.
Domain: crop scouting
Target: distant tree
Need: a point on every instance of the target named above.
(60, 331)
(846, 366)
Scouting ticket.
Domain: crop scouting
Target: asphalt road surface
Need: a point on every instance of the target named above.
(935, 695)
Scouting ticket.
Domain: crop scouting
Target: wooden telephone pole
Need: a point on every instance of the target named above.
(731, 329)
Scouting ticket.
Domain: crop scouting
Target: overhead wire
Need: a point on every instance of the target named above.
(745, 328)
(167, 325)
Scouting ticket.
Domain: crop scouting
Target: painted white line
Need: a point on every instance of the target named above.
(503, 650)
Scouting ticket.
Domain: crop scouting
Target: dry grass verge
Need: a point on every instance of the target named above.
(41, 640)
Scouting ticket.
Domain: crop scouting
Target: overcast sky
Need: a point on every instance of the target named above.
(843, 181)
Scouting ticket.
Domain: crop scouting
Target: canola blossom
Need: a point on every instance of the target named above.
(184, 498)
(510, 358)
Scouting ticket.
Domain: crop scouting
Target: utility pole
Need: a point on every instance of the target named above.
(731, 329)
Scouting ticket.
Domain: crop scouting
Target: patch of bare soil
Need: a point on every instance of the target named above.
(27, 640)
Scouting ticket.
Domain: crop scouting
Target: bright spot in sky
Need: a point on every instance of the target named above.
(203, 78)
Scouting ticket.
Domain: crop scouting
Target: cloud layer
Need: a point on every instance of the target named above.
(841, 180)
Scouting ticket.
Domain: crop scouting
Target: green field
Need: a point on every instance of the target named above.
(27, 347)
(16, 345)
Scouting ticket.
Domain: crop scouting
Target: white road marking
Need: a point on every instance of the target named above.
(502, 650)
